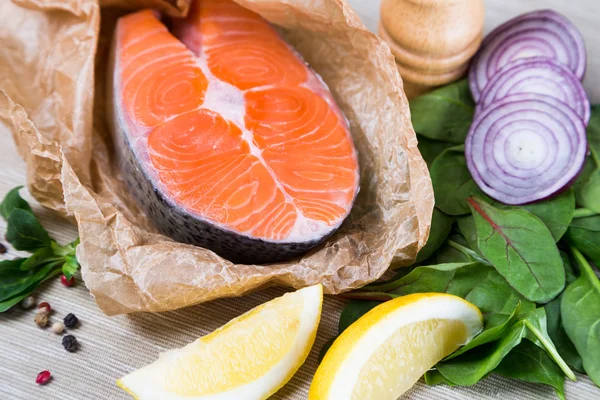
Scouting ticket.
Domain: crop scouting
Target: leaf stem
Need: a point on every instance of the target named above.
(468, 252)
(583, 212)
(551, 351)
(585, 268)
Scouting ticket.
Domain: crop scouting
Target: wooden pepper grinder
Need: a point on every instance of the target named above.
(432, 40)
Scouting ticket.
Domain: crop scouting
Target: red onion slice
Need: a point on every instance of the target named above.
(544, 33)
(537, 75)
(525, 147)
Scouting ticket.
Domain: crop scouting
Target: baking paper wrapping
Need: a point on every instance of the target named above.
(53, 61)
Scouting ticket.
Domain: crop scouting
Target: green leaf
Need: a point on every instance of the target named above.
(25, 232)
(522, 250)
(466, 225)
(587, 187)
(559, 337)
(13, 280)
(13, 301)
(472, 366)
(326, 348)
(40, 257)
(537, 332)
(452, 182)
(431, 149)
(441, 224)
(580, 310)
(444, 114)
(584, 233)
(12, 201)
(555, 213)
(495, 327)
(68, 250)
(433, 377)
(70, 266)
(530, 363)
(353, 311)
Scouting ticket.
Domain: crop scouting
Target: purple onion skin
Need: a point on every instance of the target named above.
(510, 72)
(572, 36)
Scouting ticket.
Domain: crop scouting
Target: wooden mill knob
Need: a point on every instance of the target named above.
(432, 40)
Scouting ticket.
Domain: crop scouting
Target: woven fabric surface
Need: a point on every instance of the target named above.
(112, 346)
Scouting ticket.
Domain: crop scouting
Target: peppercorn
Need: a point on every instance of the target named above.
(70, 344)
(44, 308)
(41, 320)
(43, 377)
(67, 282)
(57, 327)
(71, 321)
(28, 302)
(3, 249)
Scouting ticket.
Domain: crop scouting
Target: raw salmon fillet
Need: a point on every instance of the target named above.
(227, 138)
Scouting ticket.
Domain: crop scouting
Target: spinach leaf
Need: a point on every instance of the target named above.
(466, 225)
(472, 366)
(444, 114)
(559, 337)
(521, 249)
(12, 201)
(25, 232)
(441, 224)
(584, 233)
(452, 182)
(353, 311)
(555, 213)
(430, 149)
(530, 363)
(433, 377)
(580, 310)
(587, 187)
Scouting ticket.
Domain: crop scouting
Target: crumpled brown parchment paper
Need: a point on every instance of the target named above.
(53, 61)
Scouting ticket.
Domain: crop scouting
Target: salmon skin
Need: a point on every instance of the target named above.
(227, 139)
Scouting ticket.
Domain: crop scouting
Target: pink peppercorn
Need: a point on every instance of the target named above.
(43, 377)
(67, 282)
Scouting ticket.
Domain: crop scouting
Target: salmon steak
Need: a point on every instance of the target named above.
(226, 138)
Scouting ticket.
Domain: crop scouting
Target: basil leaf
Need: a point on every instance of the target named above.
(25, 232)
(584, 233)
(521, 249)
(580, 310)
(452, 182)
(12, 201)
(444, 114)
(431, 149)
(530, 363)
(441, 224)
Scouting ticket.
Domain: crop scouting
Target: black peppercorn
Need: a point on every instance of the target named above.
(70, 344)
(70, 321)
(3, 249)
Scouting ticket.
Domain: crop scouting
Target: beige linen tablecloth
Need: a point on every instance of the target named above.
(111, 347)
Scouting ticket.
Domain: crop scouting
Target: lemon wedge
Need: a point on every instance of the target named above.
(388, 349)
(250, 357)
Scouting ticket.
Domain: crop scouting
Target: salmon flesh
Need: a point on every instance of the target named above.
(227, 139)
